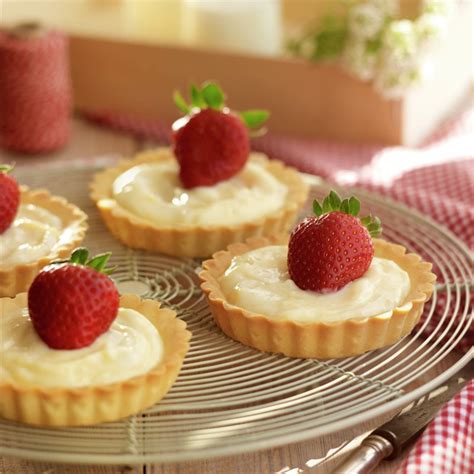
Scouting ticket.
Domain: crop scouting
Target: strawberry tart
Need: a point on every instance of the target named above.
(73, 352)
(331, 290)
(35, 229)
(205, 192)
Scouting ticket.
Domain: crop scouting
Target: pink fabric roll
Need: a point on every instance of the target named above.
(35, 91)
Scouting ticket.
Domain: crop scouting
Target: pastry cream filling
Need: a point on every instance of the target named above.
(131, 347)
(153, 191)
(258, 281)
(32, 235)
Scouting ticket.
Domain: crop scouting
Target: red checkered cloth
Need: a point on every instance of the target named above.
(438, 180)
(447, 444)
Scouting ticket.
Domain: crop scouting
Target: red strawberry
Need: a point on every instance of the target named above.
(72, 303)
(211, 147)
(211, 143)
(9, 198)
(330, 250)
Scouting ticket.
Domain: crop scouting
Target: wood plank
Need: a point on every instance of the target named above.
(305, 100)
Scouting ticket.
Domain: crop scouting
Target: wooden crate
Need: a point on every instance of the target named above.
(317, 101)
(304, 100)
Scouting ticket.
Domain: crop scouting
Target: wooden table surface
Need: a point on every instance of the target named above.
(314, 456)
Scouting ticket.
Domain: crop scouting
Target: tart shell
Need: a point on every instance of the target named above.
(45, 406)
(17, 278)
(318, 339)
(192, 241)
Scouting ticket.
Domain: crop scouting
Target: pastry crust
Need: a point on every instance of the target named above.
(192, 241)
(17, 278)
(318, 339)
(46, 406)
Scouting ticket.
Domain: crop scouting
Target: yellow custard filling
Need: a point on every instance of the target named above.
(258, 281)
(131, 347)
(32, 235)
(153, 191)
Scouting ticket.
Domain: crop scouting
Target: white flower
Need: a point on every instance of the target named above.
(358, 60)
(429, 27)
(394, 59)
(388, 7)
(399, 41)
(392, 53)
(393, 83)
(365, 21)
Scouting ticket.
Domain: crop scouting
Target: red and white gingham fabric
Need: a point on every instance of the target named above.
(447, 444)
(438, 180)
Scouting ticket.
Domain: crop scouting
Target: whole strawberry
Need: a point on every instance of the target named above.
(9, 198)
(71, 303)
(211, 143)
(330, 250)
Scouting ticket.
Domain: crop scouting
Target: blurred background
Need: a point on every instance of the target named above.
(364, 71)
(251, 26)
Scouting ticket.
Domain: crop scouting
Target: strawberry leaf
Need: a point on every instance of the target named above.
(197, 99)
(80, 256)
(317, 209)
(99, 261)
(345, 206)
(372, 224)
(335, 200)
(180, 102)
(327, 205)
(210, 95)
(110, 270)
(213, 95)
(354, 206)
(375, 228)
(6, 168)
(254, 118)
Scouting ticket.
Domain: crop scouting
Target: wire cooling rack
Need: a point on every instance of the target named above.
(230, 399)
